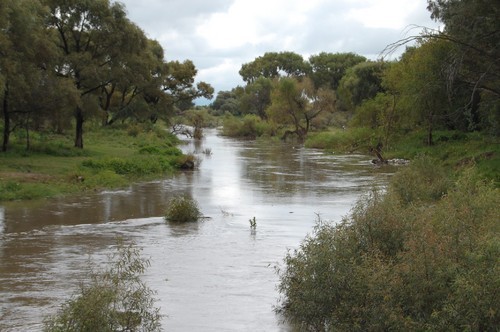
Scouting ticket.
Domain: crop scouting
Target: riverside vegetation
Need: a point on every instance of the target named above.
(182, 209)
(113, 158)
(421, 256)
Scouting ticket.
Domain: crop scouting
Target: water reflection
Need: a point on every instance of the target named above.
(215, 275)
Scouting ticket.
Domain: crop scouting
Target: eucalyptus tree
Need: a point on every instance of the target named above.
(89, 35)
(257, 97)
(178, 84)
(473, 30)
(327, 69)
(360, 82)
(129, 72)
(273, 65)
(172, 86)
(24, 55)
(228, 101)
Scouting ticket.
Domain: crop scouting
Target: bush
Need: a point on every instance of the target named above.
(182, 209)
(424, 181)
(250, 126)
(425, 263)
(114, 299)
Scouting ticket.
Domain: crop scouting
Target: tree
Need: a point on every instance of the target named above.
(272, 65)
(327, 69)
(423, 87)
(257, 97)
(24, 55)
(130, 71)
(88, 35)
(178, 83)
(359, 83)
(298, 103)
(474, 30)
(172, 86)
(228, 101)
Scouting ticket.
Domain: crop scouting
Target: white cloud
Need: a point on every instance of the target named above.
(384, 13)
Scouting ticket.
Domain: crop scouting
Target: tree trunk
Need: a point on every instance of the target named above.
(474, 111)
(79, 128)
(6, 118)
(429, 134)
(28, 143)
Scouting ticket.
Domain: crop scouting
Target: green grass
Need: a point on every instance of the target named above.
(111, 158)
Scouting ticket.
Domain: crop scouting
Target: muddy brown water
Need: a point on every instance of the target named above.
(214, 275)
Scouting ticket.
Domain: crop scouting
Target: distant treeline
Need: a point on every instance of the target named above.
(448, 80)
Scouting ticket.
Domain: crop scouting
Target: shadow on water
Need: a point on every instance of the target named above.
(214, 275)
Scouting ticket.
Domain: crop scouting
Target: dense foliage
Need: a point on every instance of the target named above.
(114, 299)
(66, 63)
(421, 256)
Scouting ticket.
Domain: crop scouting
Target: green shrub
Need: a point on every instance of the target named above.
(424, 181)
(250, 126)
(115, 299)
(428, 263)
(182, 209)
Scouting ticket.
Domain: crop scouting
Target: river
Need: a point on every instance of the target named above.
(214, 275)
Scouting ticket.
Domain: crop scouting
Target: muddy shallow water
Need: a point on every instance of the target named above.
(214, 275)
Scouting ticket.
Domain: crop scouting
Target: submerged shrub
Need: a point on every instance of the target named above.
(115, 299)
(182, 209)
(250, 126)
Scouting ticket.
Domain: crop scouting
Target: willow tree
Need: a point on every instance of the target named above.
(296, 104)
(422, 86)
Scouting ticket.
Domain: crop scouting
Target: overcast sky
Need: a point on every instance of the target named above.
(220, 35)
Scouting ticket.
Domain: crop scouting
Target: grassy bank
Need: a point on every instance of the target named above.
(112, 158)
(454, 150)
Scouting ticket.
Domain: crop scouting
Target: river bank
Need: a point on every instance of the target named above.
(112, 158)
